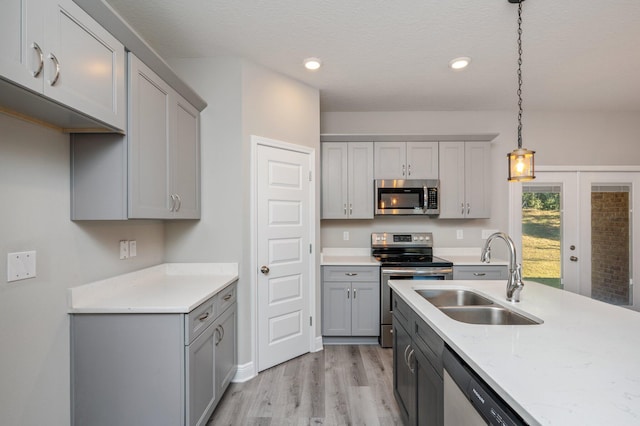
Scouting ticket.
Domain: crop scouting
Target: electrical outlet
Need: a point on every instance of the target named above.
(124, 249)
(459, 234)
(486, 233)
(21, 266)
(133, 248)
(345, 235)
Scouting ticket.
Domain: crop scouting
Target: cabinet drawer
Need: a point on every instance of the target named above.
(492, 272)
(351, 273)
(199, 319)
(429, 342)
(401, 311)
(227, 297)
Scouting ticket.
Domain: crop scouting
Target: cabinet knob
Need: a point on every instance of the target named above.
(264, 269)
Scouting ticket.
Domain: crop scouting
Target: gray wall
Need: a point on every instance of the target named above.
(576, 138)
(244, 100)
(34, 326)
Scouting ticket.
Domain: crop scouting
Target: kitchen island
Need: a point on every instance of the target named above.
(580, 366)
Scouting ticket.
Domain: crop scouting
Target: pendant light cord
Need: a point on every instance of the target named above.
(520, 74)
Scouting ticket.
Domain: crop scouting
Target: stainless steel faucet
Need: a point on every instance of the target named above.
(514, 283)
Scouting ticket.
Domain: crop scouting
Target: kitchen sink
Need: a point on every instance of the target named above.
(440, 298)
(492, 315)
(472, 308)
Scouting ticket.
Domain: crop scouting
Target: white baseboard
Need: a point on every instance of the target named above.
(318, 344)
(245, 372)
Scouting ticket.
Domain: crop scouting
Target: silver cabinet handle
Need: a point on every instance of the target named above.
(348, 291)
(461, 208)
(412, 369)
(222, 330)
(203, 316)
(37, 72)
(264, 269)
(350, 209)
(406, 359)
(479, 274)
(179, 202)
(468, 208)
(172, 207)
(403, 169)
(354, 293)
(218, 335)
(351, 274)
(57, 74)
(409, 170)
(345, 209)
(227, 297)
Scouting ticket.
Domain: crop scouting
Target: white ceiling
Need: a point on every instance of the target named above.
(393, 55)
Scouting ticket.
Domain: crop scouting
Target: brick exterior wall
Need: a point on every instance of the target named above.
(610, 247)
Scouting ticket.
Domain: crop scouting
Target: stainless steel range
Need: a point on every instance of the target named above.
(404, 256)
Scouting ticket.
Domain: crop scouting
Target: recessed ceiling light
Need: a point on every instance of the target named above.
(459, 63)
(312, 64)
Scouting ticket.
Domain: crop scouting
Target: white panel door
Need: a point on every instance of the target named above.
(283, 191)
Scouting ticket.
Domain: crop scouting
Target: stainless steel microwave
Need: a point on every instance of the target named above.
(407, 197)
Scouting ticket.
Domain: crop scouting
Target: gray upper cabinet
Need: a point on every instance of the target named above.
(347, 180)
(163, 149)
(53, 48)
(154, 171)
(464, 180)
(406, 160)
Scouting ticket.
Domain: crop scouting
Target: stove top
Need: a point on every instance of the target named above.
(405, 249)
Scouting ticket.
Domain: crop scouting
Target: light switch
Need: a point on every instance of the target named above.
(21, 266)
(133, 248)
(459, 234)
(345, 235)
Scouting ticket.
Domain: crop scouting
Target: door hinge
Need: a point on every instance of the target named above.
(310, 178)
(310, 321)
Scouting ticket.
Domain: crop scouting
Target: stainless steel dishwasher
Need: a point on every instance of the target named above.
(469, 401)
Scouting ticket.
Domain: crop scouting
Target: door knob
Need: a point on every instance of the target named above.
(264, 269)
(573, 259)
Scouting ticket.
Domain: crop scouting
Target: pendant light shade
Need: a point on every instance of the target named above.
(521, 164)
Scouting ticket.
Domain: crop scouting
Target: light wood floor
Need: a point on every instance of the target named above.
(340, 385)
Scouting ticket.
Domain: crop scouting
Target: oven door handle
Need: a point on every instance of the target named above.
(432, 271)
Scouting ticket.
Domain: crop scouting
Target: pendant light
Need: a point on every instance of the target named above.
(520, 160)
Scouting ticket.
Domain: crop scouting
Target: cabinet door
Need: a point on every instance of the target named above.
(404, 383)
(360, 177)
(334, 180)
(390, 160)
(84, 64)
(430, 392)
(336, 308)
(184, 159)
(201, 377)
(452, 180)
(21, 25)
(149, 104)
(365, 309)
(422, 160)
(477, 179)
(225, 350)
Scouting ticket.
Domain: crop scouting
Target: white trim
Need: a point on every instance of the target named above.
(318, 344)
(588, 168)
(253, 254)
(244, 373)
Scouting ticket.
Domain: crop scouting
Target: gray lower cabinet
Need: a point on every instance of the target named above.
(153, 368)
(417, 368)
(480, 272)
(350, 301)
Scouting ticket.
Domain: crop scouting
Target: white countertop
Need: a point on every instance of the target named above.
(166, 288)
(580, 367)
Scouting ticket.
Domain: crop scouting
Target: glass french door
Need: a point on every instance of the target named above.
(576, 232)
